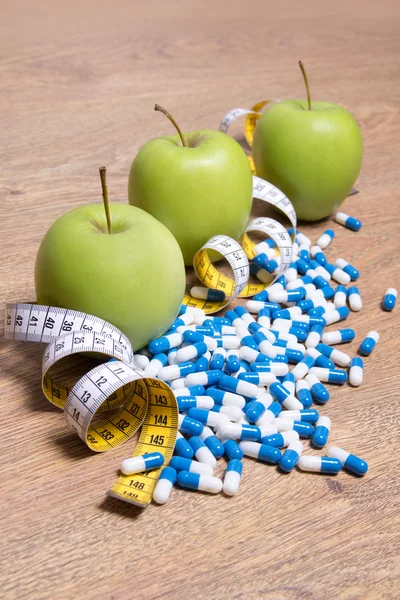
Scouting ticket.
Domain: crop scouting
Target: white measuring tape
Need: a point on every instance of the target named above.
(107, 405)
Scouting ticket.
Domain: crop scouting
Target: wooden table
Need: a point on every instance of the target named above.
(79, 81)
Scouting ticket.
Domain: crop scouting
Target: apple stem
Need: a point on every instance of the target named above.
(306, 83)
(166, 113)
(104, 189)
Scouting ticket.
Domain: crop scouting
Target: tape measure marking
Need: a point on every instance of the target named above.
(108, 404)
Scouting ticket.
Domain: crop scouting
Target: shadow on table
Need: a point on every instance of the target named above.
(121, 508)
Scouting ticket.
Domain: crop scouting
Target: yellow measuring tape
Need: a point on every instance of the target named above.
(109, 403)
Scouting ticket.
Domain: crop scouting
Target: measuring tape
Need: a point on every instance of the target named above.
(109, 403)
(252, 116)
(238, 254)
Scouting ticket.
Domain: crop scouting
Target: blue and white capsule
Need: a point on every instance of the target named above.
(176, 371)
(280, 440)
(240, 431)
(306, 415)
(369, 343)
(325, 239)
(158, 362)
(182, 446)
(269, 415)
(340, 297)
(303, 429)
(193, 466)
(201, 483)
(337, 376)
(232, 364)
(226, 398)
(291, 456)
(356, 371)
(144, 462)
(232, 412)
(282, 395)
(319, 464)
(193, 390)
(338, 274)
(300, 370)
(233, 475)
(166, 342)
(258, 408)
(188, 425)
(347, 221)
(232, 449)
(243, 388)
(347, 268)
(321, 433)
(317, 389)
(188, 353)
(340, 336)
(303, 393)
(390, 299)
(162, 491)
(202, 452)
(208, 294)
(354, 298)
(314, 336)
(208, 417)
(350, 462)
(318, 255)
(217, 361)
(262, 452)
(204, 378)
(185, 403)
(212, 442)
(337, 356)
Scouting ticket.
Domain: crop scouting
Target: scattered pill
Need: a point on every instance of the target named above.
(193, 466)
(144, 462)
(262, 452)
(182, 446)
(350, 462)
(319, 464)
(356, 371)
(202, 452)
(347, 221)
(202, 483)
(340, 336)
(291, 456)
(208, 294)
(390, 299)
(321, 432)
(325, 239)
(280, 440)
(233, 475)
(369, 343)
(164, 485)
(354, 298)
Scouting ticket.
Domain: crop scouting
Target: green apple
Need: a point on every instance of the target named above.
(198, 184)
(133, 277)
(311, 151)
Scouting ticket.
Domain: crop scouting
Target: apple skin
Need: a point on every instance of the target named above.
(313, 156)
(197, 191)
(134, 277)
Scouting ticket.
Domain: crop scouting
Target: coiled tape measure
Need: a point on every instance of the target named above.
(108, 404)
(239, 254)
(112, 401)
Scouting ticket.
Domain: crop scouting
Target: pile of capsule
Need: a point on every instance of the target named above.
(246, 383)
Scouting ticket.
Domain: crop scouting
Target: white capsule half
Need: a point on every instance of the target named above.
(231, 483)
(162, 491)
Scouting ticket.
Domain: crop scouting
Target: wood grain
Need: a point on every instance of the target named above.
(79, 81)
